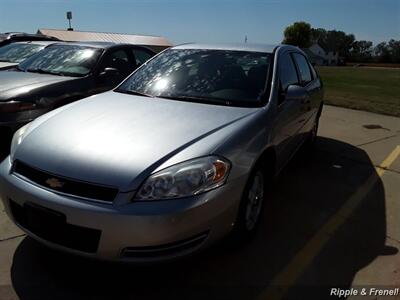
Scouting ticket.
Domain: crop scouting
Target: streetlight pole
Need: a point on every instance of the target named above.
(69, 17)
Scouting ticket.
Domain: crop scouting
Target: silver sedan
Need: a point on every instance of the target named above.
(178, 156)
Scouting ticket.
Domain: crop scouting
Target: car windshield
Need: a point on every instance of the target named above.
(66, 60)
(224, 77)
(16, 53)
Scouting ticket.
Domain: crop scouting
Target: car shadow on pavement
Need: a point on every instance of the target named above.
(309, 192)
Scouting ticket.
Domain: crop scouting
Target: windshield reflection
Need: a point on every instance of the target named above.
(16, 53)
(209, 76)
(68, 60)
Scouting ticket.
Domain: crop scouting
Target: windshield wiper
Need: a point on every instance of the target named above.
(197, 99)
(133, 93)
(41, 71)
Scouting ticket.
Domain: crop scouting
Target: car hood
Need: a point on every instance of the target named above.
(15, 83)
(117, 139)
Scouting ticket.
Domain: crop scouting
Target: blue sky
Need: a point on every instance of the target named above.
(206, 20)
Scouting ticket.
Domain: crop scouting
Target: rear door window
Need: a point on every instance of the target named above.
(287, 72)
(313, 71)
(304, 68)
(141, 56)
(117, 59)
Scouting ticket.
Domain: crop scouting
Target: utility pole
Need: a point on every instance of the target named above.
(245, 39)
(69, 17)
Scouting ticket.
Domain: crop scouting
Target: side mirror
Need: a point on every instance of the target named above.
(295, 92)
(109, 72)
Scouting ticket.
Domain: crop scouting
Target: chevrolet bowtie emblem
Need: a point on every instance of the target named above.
(54, 183)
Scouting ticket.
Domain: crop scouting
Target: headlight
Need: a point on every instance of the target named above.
(17, 139)
(16, 106)
(185, 179)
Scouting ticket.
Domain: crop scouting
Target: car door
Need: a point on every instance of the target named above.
(307, 81)
(289, 112)
(315, 92)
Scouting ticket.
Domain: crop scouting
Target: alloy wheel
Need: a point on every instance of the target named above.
(255, 199)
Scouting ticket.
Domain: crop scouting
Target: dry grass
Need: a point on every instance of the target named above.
(371, 89)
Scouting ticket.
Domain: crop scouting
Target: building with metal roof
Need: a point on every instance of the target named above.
(156, 43)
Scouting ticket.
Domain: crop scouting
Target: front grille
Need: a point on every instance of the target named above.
(51, 226)
(166, 249)
(65, 185)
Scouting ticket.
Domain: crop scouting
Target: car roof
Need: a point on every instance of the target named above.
(251, 47)
(100, 45)
(43, 43)
(27, 35)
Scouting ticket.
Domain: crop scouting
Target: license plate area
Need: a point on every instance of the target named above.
(52, 226)
(44, 222)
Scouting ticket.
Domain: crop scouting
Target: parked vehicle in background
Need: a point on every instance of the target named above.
(11, 37)
(14, 53)
(178, 156)
(63, 73)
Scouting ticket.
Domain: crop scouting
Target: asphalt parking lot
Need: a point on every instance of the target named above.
(333, 221)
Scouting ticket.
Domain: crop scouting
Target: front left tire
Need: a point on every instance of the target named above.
(251, 207)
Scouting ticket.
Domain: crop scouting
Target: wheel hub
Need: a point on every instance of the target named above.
(254, 201)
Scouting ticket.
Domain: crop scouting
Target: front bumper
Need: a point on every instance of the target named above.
(137, 231)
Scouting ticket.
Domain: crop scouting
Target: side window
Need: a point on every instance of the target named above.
(287, 72)
(141, 56)
(314, 73)
(117, 59)
(304, 68)
(117, 55)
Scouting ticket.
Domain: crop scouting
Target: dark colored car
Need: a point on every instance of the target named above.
(63, 73)
(11, 37)
(15, 53)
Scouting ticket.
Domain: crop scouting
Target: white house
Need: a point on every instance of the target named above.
(315, 59)
(330, 58)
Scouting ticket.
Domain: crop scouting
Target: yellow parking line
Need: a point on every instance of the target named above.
(388, 161)
(281, 283)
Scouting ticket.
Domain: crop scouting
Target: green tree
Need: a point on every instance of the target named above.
(339, 41)
(394, 48)
(361, 51)
(382, 52)
(388, 52)
(318, 35)
(298, 34)
(331, 40)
